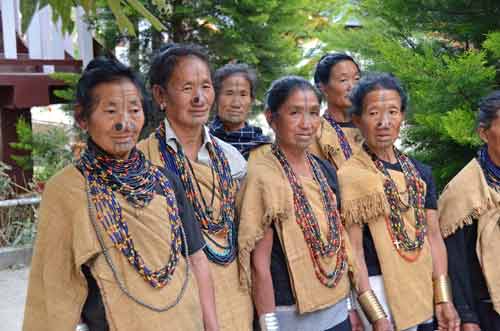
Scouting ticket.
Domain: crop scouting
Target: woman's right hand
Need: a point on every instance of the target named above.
(382, 324)
(470, 327)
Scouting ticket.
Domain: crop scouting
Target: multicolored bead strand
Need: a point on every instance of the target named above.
(177, 162)
(137, 180)
(308, 223)
(416, 200)
(344, 144)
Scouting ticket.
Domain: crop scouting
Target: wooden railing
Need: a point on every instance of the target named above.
(21, 65)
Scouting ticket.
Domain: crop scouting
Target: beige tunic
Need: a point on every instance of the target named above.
(267, 198)
(66, 240)
(468, 198)
(408, 285)
(233, 304)
(327, 146)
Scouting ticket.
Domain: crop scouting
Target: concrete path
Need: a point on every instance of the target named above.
(13, 285)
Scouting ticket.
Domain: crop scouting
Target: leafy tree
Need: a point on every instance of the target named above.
(266, 34)
(49, 150)
(62, 10)
(447, 65)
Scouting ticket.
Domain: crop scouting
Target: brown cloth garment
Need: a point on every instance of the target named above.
(266, 197)
(66, 240)
(258, 152)
(408, 285)
(233, 304)
(327, 146)
(467, 198)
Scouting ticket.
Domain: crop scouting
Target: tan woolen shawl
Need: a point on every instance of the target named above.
(327, 145)
(233, 304)
(266, 197)
(466, 199)
(408, 285)
(66, 240)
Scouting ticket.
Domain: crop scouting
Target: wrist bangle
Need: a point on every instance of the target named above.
(371, 307)
(349, 303)
(442, 289)
(82, 327)
(269, 322)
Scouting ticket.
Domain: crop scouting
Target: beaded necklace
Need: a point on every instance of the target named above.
(308, 223)
(225, 225)
(416, 199)
(137, 180)
(344, 144)
(490, 170)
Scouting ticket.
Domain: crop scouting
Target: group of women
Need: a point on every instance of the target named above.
(330, 227)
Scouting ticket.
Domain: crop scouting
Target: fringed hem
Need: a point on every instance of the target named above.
(449, 229)
(245, 251)
(365, 209)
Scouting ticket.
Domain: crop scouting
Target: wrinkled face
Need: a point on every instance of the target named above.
(297, 120)
(234, 101)
(491, 137)
(343, 77)
(117, 117)
(381, 119)
(189, 94)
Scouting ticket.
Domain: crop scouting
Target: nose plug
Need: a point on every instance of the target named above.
(119, 126)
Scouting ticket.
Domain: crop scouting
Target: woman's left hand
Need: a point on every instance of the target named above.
(447, 317)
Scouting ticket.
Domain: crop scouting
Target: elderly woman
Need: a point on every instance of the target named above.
(389, 208)
(337, 139)
(293, 247)
(209, 169)
(235, 86)
(469, 211)
(117, 240)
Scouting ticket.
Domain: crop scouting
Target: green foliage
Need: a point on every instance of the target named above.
(265, 34)
(24, 143)
(492, 44)
(48, 150)
(62, 10)
(68, 94)
(440, 61)
(458, 124)
(50, 153)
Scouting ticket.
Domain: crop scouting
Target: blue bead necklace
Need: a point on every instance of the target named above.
(137, 180)
(224, 225)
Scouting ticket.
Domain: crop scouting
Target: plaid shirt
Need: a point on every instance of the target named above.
(244, 140)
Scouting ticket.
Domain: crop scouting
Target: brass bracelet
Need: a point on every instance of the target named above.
(371, 307)
(442, 289)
